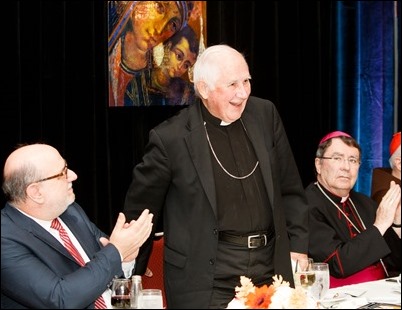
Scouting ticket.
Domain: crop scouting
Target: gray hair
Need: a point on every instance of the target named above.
(206, 67)
(15, 184)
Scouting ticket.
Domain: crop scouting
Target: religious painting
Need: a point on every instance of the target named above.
(152, 47)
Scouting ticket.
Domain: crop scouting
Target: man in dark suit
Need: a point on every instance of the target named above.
(223, 174)
(37, 270)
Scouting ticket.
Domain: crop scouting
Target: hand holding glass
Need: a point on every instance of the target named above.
(304, 275)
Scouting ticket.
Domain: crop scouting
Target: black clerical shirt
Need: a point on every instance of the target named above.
(243, 205)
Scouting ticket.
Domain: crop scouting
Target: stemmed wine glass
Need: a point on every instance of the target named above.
(321, 284)
(304, 274)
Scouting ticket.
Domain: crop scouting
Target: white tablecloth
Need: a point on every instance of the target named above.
(381, 291)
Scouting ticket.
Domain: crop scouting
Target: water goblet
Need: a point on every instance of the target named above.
(151, 299)
(321, 284)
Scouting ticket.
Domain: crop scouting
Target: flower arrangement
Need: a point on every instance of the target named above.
(278, 295)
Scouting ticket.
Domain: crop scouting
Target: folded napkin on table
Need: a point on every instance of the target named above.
(394, 299)
(349, 303)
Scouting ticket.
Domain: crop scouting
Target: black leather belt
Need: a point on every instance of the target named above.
(251, 240)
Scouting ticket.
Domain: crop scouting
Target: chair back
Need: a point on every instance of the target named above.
(155, 264)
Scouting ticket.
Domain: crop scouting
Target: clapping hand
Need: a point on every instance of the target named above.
(129, 237)
(389, 209)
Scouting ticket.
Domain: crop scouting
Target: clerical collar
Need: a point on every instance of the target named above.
(208, 117)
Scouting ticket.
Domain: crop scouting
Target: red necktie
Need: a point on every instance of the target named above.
(100, 302)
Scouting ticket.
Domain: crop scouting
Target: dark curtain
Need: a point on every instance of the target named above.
(55, 85)
(367, 69)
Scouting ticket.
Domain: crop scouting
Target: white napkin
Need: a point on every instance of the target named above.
(350, 303)
(394, 299)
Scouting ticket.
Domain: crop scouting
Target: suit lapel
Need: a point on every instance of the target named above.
(80, 230)
(197, 145)
(257, 139)
(71, 218)
(26, 223)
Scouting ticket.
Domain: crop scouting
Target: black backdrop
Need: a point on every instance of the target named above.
(54, 87)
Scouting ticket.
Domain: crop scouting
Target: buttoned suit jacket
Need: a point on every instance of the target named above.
(175, 177)
(38, 272)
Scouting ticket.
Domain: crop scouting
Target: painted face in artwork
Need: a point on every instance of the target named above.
(155, 22)
(180, 59)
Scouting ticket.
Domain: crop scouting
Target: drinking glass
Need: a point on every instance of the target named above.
(121, 293)
(151, 299)
(304, 275)
(321, 284)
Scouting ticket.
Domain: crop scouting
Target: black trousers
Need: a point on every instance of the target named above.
(234, 261)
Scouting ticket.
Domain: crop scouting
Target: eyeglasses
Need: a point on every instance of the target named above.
(339, 159)
(64, 172)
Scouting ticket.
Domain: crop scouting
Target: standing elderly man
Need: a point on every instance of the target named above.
(223, 175)
(52, 255)
(347, 228)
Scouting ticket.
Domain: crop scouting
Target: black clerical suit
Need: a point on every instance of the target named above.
(334, 240)
(178, 176)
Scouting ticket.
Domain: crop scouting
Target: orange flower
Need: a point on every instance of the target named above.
(261, 298)
(278, 295)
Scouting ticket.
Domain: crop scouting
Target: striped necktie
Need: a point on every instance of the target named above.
(100, 302)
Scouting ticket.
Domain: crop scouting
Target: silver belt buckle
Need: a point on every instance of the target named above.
(250, 246)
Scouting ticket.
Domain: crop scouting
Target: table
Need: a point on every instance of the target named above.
(387, 291)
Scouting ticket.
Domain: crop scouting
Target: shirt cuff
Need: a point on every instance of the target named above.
(128, 268)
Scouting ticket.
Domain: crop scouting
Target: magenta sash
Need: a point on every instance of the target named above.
(370, 273)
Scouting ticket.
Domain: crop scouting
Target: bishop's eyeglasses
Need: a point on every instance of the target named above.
(63, 172)
(353, 161)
